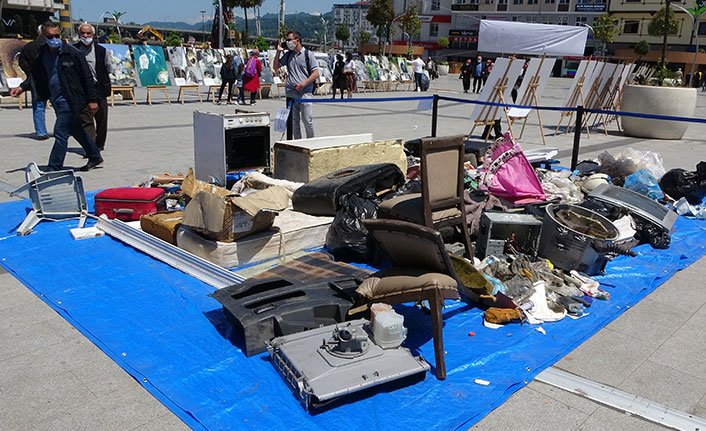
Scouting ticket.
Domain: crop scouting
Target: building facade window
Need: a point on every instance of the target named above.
(531, 1)
(581, 20)
(517, 1)
(563, 20)
(435, 4)
(631, 27)
(433, 29)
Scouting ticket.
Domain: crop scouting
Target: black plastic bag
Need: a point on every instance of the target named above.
(347, 238)
(679, 183)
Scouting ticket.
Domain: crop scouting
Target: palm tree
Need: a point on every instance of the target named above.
(116, 17)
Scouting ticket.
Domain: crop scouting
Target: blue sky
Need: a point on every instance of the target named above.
(141, 11)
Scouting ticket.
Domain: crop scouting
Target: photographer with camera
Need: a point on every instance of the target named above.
(302, 72)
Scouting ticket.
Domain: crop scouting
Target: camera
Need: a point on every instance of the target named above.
(283, 44)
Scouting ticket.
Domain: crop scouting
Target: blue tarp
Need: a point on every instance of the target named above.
(161, 327)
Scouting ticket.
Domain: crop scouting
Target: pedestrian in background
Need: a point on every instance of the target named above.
(488, 69)
(251, 81)
(349, 72)
(339, 79)
(418, 64)
(26, 59)
(239, 79)
(302, 72)
(61, 74)
(227, 79)
(95, 124)
(478, 72)
(466, 73)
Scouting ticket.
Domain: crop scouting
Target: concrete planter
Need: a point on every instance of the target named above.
(673, 101)
(443, 69)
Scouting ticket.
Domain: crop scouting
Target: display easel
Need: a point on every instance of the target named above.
(590, 99)
(489, 113)
(530, 98)
(123, 90)
(617, 94)
(151, 88)
(602, 97)
(575, 99)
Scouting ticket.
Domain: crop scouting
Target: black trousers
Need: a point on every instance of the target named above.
(466, 83)
(477, 83)
(96, 125)
(230, 90)
(497, 130)
(417, 81)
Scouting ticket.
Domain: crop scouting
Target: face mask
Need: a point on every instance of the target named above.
(54, 43)
(87, 40)
(291, 45)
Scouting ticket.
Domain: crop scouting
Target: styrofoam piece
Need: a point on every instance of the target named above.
(86, 232)
(292, 231)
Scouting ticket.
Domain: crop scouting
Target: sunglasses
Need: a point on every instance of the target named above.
(53, 36)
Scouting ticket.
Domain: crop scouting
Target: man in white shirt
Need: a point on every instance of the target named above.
(418, 64)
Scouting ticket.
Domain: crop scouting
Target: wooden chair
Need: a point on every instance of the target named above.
(269, 90)
(421, 270)
(151, 88)
(440, 203)
(122, 89)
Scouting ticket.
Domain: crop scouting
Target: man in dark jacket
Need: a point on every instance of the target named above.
(479, 69)
(26, 59)
(466, 73)
(96, 125)
(62, 75)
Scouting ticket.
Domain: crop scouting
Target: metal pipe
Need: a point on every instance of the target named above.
(434, 115)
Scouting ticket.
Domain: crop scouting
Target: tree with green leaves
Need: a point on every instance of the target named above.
(444, 42)
(116, 16)
(663, 23)
(642, 48)
(343, 33)
(18, 25)
(113, 37)
(261, 43)
(173, 39)
(410, 22)
(364, 37)
(245, 4)
(381, 14)
(282, 32)
(32, 26)
(605, 28)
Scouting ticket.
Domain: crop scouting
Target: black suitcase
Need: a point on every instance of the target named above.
(320, 196)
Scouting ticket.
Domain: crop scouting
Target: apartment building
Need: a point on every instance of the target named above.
(634, 17)
(40, 10)
(354, 17)
(458, 20)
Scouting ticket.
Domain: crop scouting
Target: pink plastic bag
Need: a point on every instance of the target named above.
(507, 173)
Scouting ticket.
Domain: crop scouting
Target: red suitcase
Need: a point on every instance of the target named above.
(129, 203)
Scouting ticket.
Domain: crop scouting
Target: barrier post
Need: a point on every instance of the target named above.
(434, 115)
(577, 137)
(290, 105)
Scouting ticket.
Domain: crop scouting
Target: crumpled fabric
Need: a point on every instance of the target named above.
(559, 184)
(475, 204)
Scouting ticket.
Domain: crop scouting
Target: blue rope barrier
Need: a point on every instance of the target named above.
(368, 99)
(508, 105)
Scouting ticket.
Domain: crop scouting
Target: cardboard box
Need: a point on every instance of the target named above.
(228, 218)
(303, 160)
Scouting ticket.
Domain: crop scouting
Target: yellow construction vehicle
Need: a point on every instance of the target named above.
(146, 30)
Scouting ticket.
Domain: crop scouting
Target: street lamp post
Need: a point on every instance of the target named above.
(694, 24)
(203, 26)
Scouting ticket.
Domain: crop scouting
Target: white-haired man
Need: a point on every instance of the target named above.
(96, 125)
